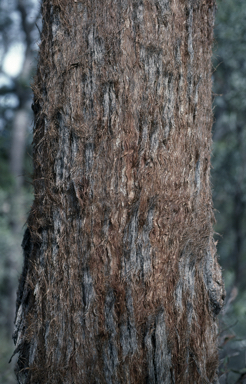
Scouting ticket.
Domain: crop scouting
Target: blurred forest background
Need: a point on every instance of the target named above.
(20, 26)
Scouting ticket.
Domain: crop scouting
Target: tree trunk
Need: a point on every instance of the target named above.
(121, 282)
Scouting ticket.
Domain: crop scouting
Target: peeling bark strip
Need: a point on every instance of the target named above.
(121, 282)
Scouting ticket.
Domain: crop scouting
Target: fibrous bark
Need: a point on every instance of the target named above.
(121, 282)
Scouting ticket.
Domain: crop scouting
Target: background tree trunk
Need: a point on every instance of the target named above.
(20, 124)
(121, 282)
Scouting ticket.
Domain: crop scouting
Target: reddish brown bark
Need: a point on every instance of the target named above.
(121, 282)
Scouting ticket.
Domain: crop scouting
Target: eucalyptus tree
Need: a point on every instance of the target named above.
(121, 282)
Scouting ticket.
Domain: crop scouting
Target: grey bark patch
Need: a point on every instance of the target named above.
(215, 288)
(110, 350)
(46, 335)
(89, 157)
(96, 46)
(69, 349)
(62, 161)
(56, 234)
(157, 352)
(55, 21)
(74, 146)
(178, 53)
(190, 50)
(149, 357)
(181, 105)
(143, 136)
(178, 294)
(198, 176)
(186, 283)
(195, 101)
(106, 221)
(88, 90)
(138, 12)
(186, 288)
(162, 353)
(109, 104)
(128, 330)
(144, 249)
(131, 262)
(168, 110)
(154, 138)
(197, 89)
(173, 376)
(189, 310)
(32, 351)
(43, 248)
(163, 8)
(58, 347)
(87, 288)
(190, 31)
(137, 247)
(151, 58)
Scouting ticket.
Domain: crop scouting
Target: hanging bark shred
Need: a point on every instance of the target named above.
(121, 282)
